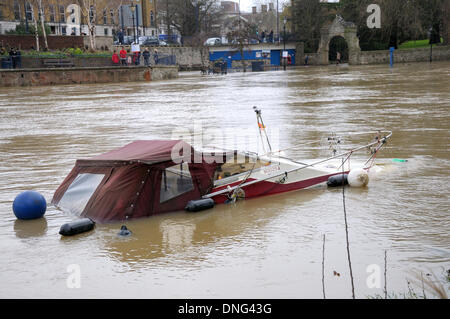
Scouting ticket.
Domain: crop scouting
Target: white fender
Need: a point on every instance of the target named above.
(358, 178)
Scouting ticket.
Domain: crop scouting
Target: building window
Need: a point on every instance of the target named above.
(106, 31)
(105, 16)
(152, 19)
(63, 30)
(16, 10)
(29, 11)
(51, 13)
(111, 14)
(92, 14)
(62, 14)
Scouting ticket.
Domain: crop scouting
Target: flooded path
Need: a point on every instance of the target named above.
(262, 248)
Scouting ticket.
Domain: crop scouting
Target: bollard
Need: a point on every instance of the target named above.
(391, 50)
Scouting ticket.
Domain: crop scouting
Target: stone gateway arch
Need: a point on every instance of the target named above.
(346, 30)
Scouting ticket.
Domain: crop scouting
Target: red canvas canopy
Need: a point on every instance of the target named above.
(141, 179)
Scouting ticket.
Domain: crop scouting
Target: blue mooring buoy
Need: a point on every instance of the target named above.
(29, 205)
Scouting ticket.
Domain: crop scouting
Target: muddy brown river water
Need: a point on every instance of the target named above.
(268, 247)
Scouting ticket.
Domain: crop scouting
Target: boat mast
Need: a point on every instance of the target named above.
(262, 127)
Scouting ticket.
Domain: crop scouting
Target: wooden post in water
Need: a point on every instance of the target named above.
(323, 268)
(385, 277)
(346, 232)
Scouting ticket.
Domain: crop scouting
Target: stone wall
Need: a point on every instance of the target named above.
(81, 62)
(440, 53)
(39, 77)
(187, 58)
(102, 43)
(313, 59)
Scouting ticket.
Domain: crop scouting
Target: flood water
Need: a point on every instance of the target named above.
(268, 247)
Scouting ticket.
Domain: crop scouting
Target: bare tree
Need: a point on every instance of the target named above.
(36, 31)
(89, 12)
(239, 36)
(188, 17)
(41, 19)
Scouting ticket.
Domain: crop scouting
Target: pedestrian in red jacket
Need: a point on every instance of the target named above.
(115, 59)
(123, 56)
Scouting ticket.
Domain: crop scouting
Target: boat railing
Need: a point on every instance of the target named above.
(380, 142)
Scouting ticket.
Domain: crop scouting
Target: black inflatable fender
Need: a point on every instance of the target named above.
(337, 180)
(77, 227)
(199, 205)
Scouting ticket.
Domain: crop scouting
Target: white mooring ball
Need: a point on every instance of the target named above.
(358, 178)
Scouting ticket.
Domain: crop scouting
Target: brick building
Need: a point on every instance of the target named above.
(69, 17)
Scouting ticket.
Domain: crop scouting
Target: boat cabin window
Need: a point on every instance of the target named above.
(79, 192)
(175, 180)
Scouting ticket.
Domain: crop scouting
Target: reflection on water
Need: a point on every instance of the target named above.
(30, 228)
(265, 247)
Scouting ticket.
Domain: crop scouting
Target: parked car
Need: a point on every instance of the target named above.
(127, 40)
(213, 41)
(154, 41)
(146, 40)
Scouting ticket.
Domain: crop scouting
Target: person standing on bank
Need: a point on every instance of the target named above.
(123, 56)
(146, 55)
(338, 57)
(155, 56)
(136, 58)
(115, 59)
(12, 57)
(18, 59)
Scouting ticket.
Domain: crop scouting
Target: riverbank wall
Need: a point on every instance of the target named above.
(188, 58)
(440, 53)
(41, 77)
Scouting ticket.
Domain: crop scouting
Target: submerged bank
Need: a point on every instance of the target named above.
(46, 76)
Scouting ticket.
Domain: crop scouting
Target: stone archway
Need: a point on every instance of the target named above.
(346, 30)
(338, 44)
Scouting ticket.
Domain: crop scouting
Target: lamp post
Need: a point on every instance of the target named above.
(278, 31)
(284, 44)
(133, 8)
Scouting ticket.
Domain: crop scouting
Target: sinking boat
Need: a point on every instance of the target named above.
(146, 178)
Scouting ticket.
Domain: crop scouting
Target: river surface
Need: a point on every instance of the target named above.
(268, 247)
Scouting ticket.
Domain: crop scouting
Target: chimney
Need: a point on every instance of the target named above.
(264, 8)
(271, 8)
(254, 10)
